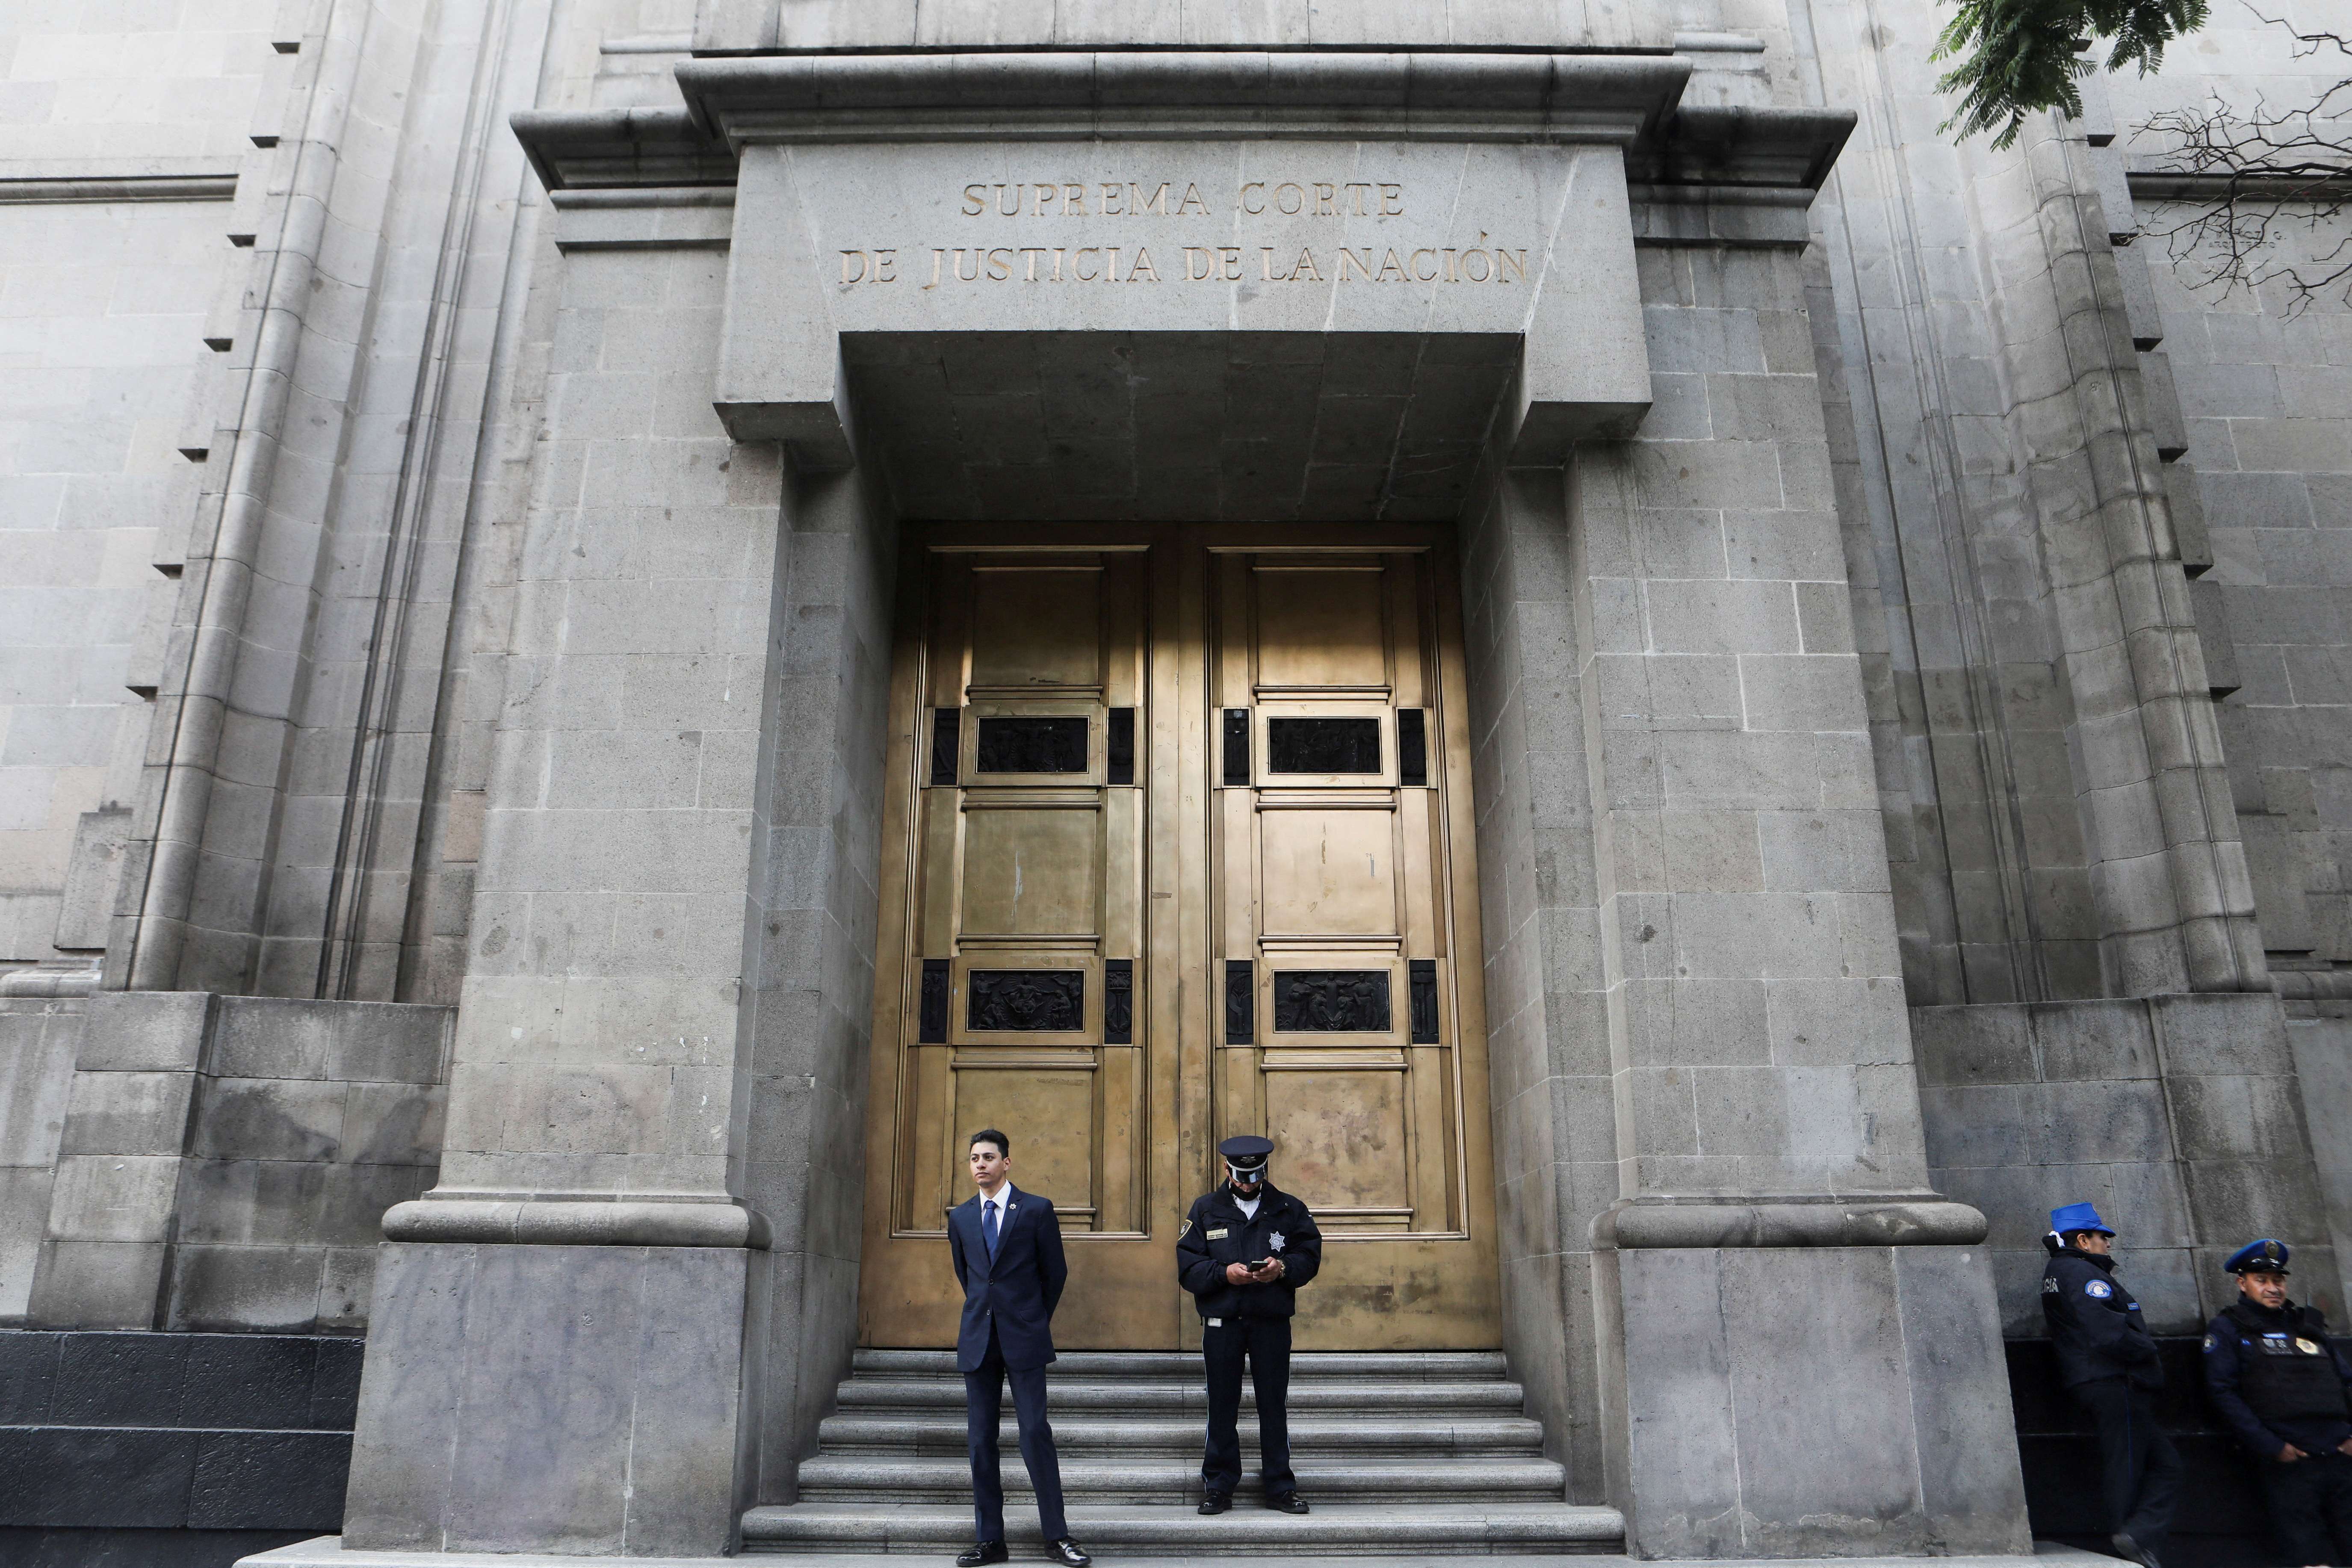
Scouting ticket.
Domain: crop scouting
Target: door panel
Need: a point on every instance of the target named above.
(1168, 857)
(1336, 870)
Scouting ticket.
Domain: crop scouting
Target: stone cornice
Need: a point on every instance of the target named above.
(1630, 100)
(1164, 94)
(38, 190)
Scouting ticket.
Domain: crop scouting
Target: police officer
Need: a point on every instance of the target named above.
(1244, 1252)
(2107, 1360)
(2271, 1373)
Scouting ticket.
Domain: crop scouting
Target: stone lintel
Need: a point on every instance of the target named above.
(1922, 1220)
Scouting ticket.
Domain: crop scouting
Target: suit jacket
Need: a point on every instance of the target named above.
(1016, 1293)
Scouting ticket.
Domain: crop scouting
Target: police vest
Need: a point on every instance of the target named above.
(2287, 1374)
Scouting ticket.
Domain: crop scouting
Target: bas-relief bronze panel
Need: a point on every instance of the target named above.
(1153, 877)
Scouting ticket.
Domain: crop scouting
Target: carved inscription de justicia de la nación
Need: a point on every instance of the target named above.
(1161, 250)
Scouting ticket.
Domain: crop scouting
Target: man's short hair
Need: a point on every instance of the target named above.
(990, 1135)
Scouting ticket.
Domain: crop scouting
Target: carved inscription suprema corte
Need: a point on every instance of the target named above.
(1184, 258)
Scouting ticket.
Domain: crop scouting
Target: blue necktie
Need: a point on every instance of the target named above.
(988, 1228)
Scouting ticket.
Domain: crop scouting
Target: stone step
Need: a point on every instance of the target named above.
(945, 1436)
(1171, 1480)
(1185, 1366)
(883, 1391)
(1336, 1529)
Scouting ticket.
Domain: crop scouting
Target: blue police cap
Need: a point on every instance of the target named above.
(1246, 1153)
(2264, 1256)
(2078, 1216)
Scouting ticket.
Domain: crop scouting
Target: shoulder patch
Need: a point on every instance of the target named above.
(2211, 1340)
(2098, 1287)
(2049, 1285)
(1185, 1229)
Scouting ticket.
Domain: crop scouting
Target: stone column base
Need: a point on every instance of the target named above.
(587, 1399)
(1813, 1401)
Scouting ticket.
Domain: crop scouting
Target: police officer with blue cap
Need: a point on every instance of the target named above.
(2273, 1376)
(2107, 1360)
(1244, 1252)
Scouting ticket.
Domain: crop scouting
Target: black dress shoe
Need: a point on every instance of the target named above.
(1287, 1502)
(2133, 1551)
(981, 1553)
(1216, 1502)
(1066, 1552)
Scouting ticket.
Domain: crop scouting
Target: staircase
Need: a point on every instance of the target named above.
(1418, 1454)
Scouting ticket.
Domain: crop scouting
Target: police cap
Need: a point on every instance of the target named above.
(2078, 1216)
(2264, 1256)
(1246, 1153)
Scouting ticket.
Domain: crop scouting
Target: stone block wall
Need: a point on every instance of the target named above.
(110, 1439)
(102, 310)
(2264, 387)
(126, 130)
(2180, 1116)
(225, 1162)
(39, 1043)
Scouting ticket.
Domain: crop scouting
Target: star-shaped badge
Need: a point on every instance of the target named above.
(1275, 1241)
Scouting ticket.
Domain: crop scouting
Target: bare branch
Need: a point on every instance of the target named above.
(2256, 195)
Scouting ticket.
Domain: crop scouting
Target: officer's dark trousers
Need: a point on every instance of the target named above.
(1266, 1342)
(2311, 1508)
(983, 1405)
(2141, 1468)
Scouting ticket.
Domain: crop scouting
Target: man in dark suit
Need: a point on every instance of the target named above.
(1007, 1247)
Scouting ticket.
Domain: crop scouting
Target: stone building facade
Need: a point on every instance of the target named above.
(1856, 682)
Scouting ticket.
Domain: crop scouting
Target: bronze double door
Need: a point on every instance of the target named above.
(1177, 846)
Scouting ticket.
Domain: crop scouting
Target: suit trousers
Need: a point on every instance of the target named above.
(1266, 1342)
(2139, 1466)
(983, 1403)
(2311, 1507)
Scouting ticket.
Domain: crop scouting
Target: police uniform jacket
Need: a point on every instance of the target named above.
(2094, 1325)
(2276, 1379)
(1216, 1233)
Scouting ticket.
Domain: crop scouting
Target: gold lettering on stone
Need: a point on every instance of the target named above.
(1201, 263)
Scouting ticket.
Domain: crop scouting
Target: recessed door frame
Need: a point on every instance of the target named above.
(906, 1286)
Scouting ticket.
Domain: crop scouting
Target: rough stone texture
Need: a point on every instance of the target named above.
(100, 310)
(1902, 1351)
(102, 305)
(1746, 931)
(1548, 1037)
(2262, 386)
(481, 1428)
(39, 1041)
(815, 901)
(2049, 761)
(224, 1162)
(2180, 1116)
(2323, 1068)
(597, 1041)
(848, 23)
(106, 1432)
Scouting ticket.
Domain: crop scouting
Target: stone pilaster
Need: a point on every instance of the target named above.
(1804, 1352)
(587, 1269)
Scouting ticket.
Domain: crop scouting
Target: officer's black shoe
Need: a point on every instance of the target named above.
(2133, 1551)
(1287, 1502)
(1216, 1502)
(981, 1553)
(1066, 1551)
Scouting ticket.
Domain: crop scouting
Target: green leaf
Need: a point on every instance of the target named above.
(2018, 58)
